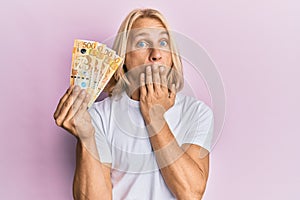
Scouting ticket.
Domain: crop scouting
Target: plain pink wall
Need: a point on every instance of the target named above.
(255, 45)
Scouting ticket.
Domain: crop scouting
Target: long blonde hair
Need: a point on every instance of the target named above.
(119, 81)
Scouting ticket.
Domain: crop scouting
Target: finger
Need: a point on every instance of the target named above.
(77, 103)
(156, 78)
(149, 82)
(163, 78)
(67, 105)
(83, 107)
(61, 101)
(143, 90)
(173, 91)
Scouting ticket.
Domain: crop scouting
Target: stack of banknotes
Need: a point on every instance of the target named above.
(93, 64)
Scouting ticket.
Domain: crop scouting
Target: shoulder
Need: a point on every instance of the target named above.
(106, 106)
(102, 104)
(191, 105)
(100, 107)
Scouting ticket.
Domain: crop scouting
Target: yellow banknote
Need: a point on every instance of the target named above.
(93, 65)
(98, 69)
(83, 62)
(111, 66)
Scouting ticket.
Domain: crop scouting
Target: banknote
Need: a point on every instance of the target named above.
(112, 64)
(98, 69)
(83, 62)
(93, 64)
(108, 59)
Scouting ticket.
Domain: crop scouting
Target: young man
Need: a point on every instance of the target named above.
(144, 141)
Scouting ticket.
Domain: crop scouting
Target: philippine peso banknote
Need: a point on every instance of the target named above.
(93, 64)
(83, 63)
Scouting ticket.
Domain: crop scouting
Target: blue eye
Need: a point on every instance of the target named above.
(164, 43)
(142, 44)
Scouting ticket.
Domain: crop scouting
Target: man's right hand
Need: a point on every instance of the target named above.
(71, 113)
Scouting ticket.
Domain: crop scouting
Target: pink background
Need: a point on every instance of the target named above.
(255, 45)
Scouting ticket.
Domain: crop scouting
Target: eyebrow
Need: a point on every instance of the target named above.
(164, 33)
(147, 34)
(142, 34)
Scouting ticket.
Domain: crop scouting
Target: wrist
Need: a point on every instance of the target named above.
(87, 139)
(88, 144)
(156, 125)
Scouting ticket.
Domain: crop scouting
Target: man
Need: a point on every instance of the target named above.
(144, 141)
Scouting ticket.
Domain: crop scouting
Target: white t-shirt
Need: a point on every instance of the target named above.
(122, 140)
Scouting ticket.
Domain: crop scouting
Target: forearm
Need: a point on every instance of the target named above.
(89, 180)
(180, 172)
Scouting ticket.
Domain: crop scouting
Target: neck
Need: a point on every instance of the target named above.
(135, 95)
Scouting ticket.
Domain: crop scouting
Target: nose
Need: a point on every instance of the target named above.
(155, 55)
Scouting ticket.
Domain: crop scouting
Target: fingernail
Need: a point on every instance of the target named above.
(161, 68)
(148, 69)
(82, 92)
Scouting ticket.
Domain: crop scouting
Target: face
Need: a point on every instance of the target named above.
(148, 44)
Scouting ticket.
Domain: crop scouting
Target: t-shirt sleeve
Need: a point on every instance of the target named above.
(103, 148)
(200, 131)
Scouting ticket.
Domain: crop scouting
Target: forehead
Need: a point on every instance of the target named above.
(147, 23)
(147, 26)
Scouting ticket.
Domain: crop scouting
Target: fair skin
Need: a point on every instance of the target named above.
(184, 172)
(92, 178)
